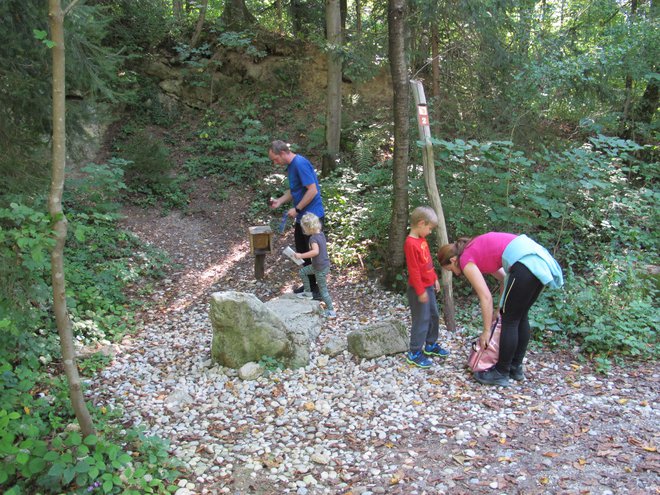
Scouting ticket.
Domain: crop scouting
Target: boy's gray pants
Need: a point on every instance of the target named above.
(425, 319)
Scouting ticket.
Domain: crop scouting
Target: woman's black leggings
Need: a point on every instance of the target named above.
(521, 291)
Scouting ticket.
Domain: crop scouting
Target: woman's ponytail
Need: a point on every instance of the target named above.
(448, 251)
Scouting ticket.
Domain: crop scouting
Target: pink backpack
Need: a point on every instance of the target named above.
(483, 359)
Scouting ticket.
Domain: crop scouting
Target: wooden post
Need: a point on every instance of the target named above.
(424, 125)
(259, 263)
(261, 243)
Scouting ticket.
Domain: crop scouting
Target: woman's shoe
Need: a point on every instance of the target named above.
(492, 377)
(517, 373)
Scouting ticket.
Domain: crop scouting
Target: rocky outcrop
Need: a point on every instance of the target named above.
(277, 64)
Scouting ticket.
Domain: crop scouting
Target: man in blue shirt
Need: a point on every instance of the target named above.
(305, 193)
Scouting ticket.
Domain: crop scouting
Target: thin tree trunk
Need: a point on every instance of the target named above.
(343, 6)
(177, 10)
(649, 102)
(435, 70)
(200, 23)
(434, 198)
(278, 8)
(56, 22)
(396, 18)
(625, 124)
(333, 111)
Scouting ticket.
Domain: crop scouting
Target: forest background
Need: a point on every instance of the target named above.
(544, 120)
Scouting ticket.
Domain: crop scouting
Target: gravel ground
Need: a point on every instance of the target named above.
(348, 426)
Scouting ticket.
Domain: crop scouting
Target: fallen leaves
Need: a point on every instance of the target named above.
(648, 447)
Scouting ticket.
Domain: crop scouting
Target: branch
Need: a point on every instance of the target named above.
(70, 6)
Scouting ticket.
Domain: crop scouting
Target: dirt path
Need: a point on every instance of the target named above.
(565, 430)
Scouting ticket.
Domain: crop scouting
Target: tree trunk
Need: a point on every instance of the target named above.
(177, 10)
(625, 125)
(343, 8)
(200, 23)
(358, 18)
(649, 102)
(56, 22)
(296, 8)
(236, 15)
(435, 70)
(396, 19)
(333, 111)
(278, 8)
(434, 198)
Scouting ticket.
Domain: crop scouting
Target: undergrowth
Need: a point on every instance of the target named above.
(40, 446)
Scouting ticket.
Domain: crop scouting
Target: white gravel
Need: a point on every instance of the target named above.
(379, 426)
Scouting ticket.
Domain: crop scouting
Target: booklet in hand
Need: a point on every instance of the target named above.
(289, 253)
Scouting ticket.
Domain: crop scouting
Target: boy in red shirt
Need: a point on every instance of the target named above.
(422, 286)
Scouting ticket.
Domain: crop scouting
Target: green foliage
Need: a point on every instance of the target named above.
(593, 206)
(359, 210)
(98, 189)
(25, 243)
(242, 41)
(40, 452)
(94, 363)
(270, 364)
(69, 462)
(25, 83)
(233, 151)
(138, 27)
(610, 310)
(149, 171)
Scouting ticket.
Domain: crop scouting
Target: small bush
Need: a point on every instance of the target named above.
(609, 310)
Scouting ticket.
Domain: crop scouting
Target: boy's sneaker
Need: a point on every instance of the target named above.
(330, 314)
(299, 290)
(492, 377)
(435, 350)
(517, 373)
(418, 359)
(305, 295)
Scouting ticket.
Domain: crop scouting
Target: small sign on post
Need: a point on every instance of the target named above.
(423, 115)
(261, 243)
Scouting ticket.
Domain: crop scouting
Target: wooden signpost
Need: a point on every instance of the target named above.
(424, 124)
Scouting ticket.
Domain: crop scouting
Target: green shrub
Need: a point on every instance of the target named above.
(149, 172)
(609, 310)
(147, 160)
(38, 451)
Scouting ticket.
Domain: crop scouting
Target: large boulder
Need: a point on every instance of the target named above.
(380, 339)
(296, 313)
(245, 329)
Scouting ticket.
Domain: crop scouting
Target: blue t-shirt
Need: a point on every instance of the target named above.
(302, 174)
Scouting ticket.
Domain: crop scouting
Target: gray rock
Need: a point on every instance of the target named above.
(380, 339)
(250, 371)
(301, 314)
(177, 399)
(245, 329)
(334, 346)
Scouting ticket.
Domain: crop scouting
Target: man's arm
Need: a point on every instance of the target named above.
(307, 198)
(285, 198)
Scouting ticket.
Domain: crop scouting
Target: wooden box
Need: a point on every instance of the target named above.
(261, 239)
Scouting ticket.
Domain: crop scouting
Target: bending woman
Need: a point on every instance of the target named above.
(523, 268)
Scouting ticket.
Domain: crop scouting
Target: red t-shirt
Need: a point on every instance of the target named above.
(421, 273)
